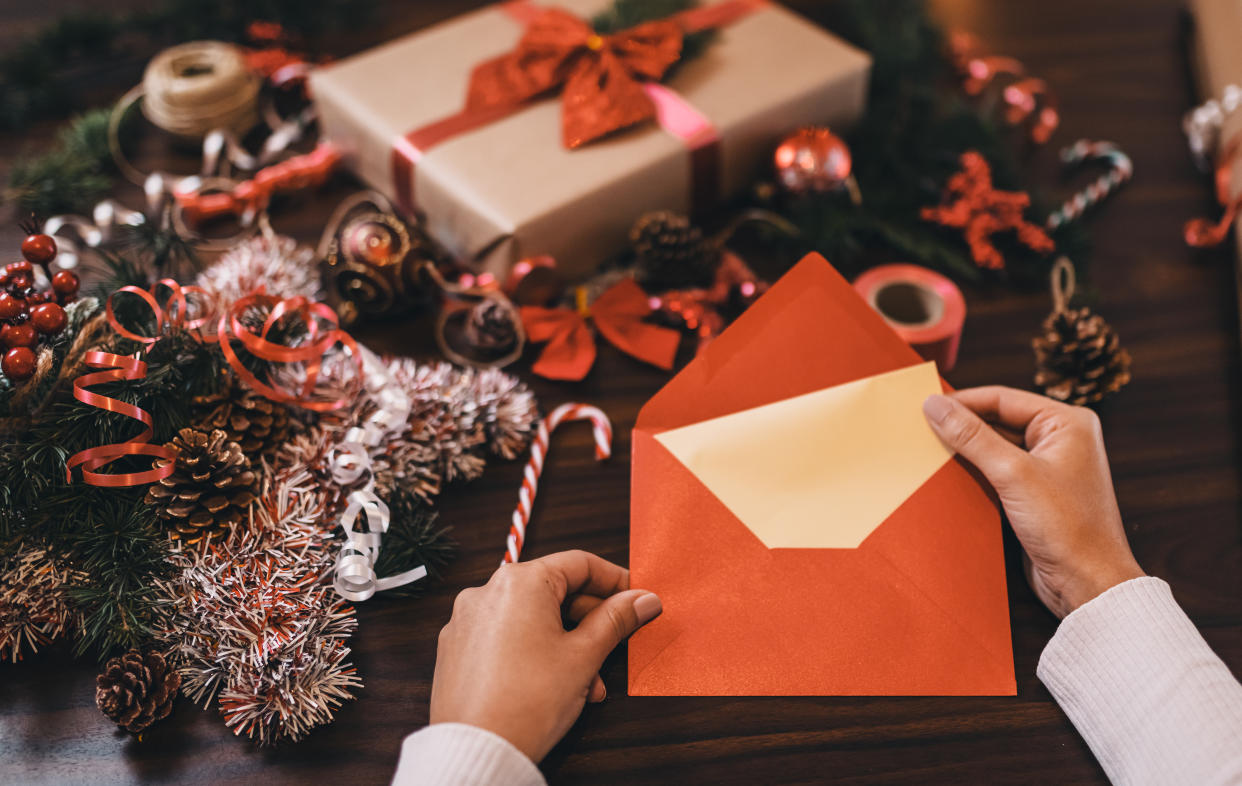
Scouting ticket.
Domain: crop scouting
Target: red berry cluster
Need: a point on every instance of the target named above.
(25, 312)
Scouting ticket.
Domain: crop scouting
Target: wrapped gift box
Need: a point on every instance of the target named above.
(510, 189)
(1217, 61)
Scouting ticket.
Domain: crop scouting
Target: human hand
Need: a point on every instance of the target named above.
(505, 661)
(1057, 493)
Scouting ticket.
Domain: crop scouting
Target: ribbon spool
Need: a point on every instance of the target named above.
(923, 307)
(196, 87)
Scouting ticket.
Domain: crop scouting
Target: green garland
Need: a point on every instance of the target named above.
(905, 147)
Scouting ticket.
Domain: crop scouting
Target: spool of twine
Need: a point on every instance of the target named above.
(200, 86)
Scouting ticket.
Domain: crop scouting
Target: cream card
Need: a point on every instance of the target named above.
(820, 470)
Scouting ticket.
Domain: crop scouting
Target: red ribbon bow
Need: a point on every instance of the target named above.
(602, 75)
(618, 315)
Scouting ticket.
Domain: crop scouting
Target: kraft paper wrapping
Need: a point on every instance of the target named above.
(1217, 61)
(510, 190)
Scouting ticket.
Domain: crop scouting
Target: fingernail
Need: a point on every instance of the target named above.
(937, 407)
(647, 607)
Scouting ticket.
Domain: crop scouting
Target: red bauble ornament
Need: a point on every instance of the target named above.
(22, 335)
(21, 266)
(48, 318)
(18, 363)
(35, 298)
(66, 283)
(812, 159)
(10, 306)
(21, 281)
(39, 249)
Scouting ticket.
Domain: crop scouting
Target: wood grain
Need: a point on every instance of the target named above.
(1173, 437)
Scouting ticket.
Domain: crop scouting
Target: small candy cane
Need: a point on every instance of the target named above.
(1120, 169)
(602, 430)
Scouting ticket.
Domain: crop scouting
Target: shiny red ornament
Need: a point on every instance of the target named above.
(813, 160)
(19, 267)
(10, 306)
(22, 335)
(48, 318)
(35, 298)
(21, 281)
(18, 363)
(39, 249)
(66, 283)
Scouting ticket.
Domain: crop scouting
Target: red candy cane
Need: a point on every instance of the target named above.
(602, 430)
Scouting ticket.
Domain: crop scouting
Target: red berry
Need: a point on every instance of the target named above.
(48, 318)
(34, 298)
(18, 363)
(22, 335)
(20, 266)
(10, 306)
(65, 282)
(21, 281)
(40, 249)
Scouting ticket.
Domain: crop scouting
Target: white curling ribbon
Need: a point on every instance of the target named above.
(350, 461)
(354, 576)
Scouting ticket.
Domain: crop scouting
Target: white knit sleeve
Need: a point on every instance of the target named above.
(1145, 691)
(454, 754)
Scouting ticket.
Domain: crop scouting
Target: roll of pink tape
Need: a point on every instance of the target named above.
(926, 309)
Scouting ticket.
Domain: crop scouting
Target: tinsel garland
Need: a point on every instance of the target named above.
(250, 620)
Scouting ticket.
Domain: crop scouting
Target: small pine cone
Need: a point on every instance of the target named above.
(208, 491)
(256, 423)
(136, 689)
(671, 252)
(490, 327)
(1078, 358)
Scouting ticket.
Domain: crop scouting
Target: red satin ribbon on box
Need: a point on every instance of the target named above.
(618, 315)
(609, 82)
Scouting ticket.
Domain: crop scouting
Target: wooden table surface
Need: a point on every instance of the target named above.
(1120, 72)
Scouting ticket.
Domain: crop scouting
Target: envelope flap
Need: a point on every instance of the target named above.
(809, 331)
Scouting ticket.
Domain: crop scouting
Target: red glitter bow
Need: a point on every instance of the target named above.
(618, 315)
(980, 211)
(602, 75)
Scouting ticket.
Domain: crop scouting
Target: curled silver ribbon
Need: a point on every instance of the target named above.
(1202, 124)
(349, 462)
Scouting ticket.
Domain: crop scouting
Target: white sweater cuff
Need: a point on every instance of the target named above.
(455, 754)
(1145, 691)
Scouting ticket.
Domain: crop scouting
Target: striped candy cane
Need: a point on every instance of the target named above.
(602, 430)
(1120, 168)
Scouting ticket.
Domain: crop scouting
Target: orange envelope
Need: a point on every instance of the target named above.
(807, 532)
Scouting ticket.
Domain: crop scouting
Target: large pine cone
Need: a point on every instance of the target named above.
(1079, 359)
(256, 423)
(136, 689)
(210, 489)
(671, 252)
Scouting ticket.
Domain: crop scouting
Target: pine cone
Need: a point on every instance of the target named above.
(671, 252)
(490, 327)
(136, 689)
(210, 488)
(256, 423)
(1079, 359)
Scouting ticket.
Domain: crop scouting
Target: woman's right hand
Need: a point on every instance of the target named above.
(1057, 492)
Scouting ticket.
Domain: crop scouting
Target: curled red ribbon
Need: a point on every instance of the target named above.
(1203, 232)
(320, 340)
(116, 367)
(175, 313)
